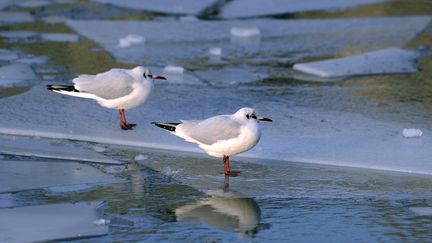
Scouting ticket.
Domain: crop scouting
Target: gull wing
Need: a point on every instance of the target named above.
(211, 130)
(112, 84)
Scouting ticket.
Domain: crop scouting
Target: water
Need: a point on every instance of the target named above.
(298, 184)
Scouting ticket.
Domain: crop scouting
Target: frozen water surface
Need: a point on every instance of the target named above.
(386, 61)
(50, 222)
(18, 74)
(191, 7)
(19, 175)
(254, 8)
(183, 42)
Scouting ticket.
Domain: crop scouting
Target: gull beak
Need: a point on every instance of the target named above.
(159, 77)
(261, 119)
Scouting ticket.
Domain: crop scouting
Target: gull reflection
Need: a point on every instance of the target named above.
(224, 210)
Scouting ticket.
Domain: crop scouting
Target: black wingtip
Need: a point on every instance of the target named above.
(54, 87)
(171, 126)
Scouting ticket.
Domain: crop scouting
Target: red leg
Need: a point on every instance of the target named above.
(123, 124)
(226, 183)
(226, 165)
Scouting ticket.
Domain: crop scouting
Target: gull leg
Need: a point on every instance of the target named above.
(123, 124)
(226, 183)
(226, 165)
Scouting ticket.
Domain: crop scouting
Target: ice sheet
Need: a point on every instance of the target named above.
(190, 7)
(254, 8)
(232, 76)
(18, 34)
(181, 43)
(386, 61)
(297, 134)
(19, 175)
(43, 148)
(50, 222)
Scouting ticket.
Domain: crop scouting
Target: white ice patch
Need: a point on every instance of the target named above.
(7, 55)
(188, 18)
(101, 221)
(253, 8)
(140, 157)
(174, 73)
(51, 222)
(15, 18)
(245, 32)
(130, 40)
(215, 51)
(190, 7)
(99, 149)
(412, 132)
(28, 59)
(59, 37)
(385, 61)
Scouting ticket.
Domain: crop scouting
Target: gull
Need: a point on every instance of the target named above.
(220, 136)
(117, 88)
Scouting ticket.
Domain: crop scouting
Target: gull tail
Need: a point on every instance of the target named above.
(170, 126)
(70, 90)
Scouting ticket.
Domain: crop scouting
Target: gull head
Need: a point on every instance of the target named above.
(249, 114)
(146, 74)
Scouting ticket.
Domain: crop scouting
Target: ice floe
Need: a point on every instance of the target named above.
(254, 8)
(19, 175)
(51, 222)
(412, 132)
(41, 148)
(140, 157)
(15, 18)
(7, 55)
(183, 42)
(59, 37)
(386, 61)
(130, 40)
(190, 7)
(18, 34)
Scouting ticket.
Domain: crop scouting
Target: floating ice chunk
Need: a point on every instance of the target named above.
(18, 34)
(385, 61)
(15, 18)
(69, 189)
(101, 222)
(51, 222)
(99, 149)
(245, 32)
(174, 73)
(421, 211)
(59, 37)
(190, 7)
(245, 35)
(25, 175)
(130, 40)
(252, 8)
(215, 51)
(412, 132)
(140, 157)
